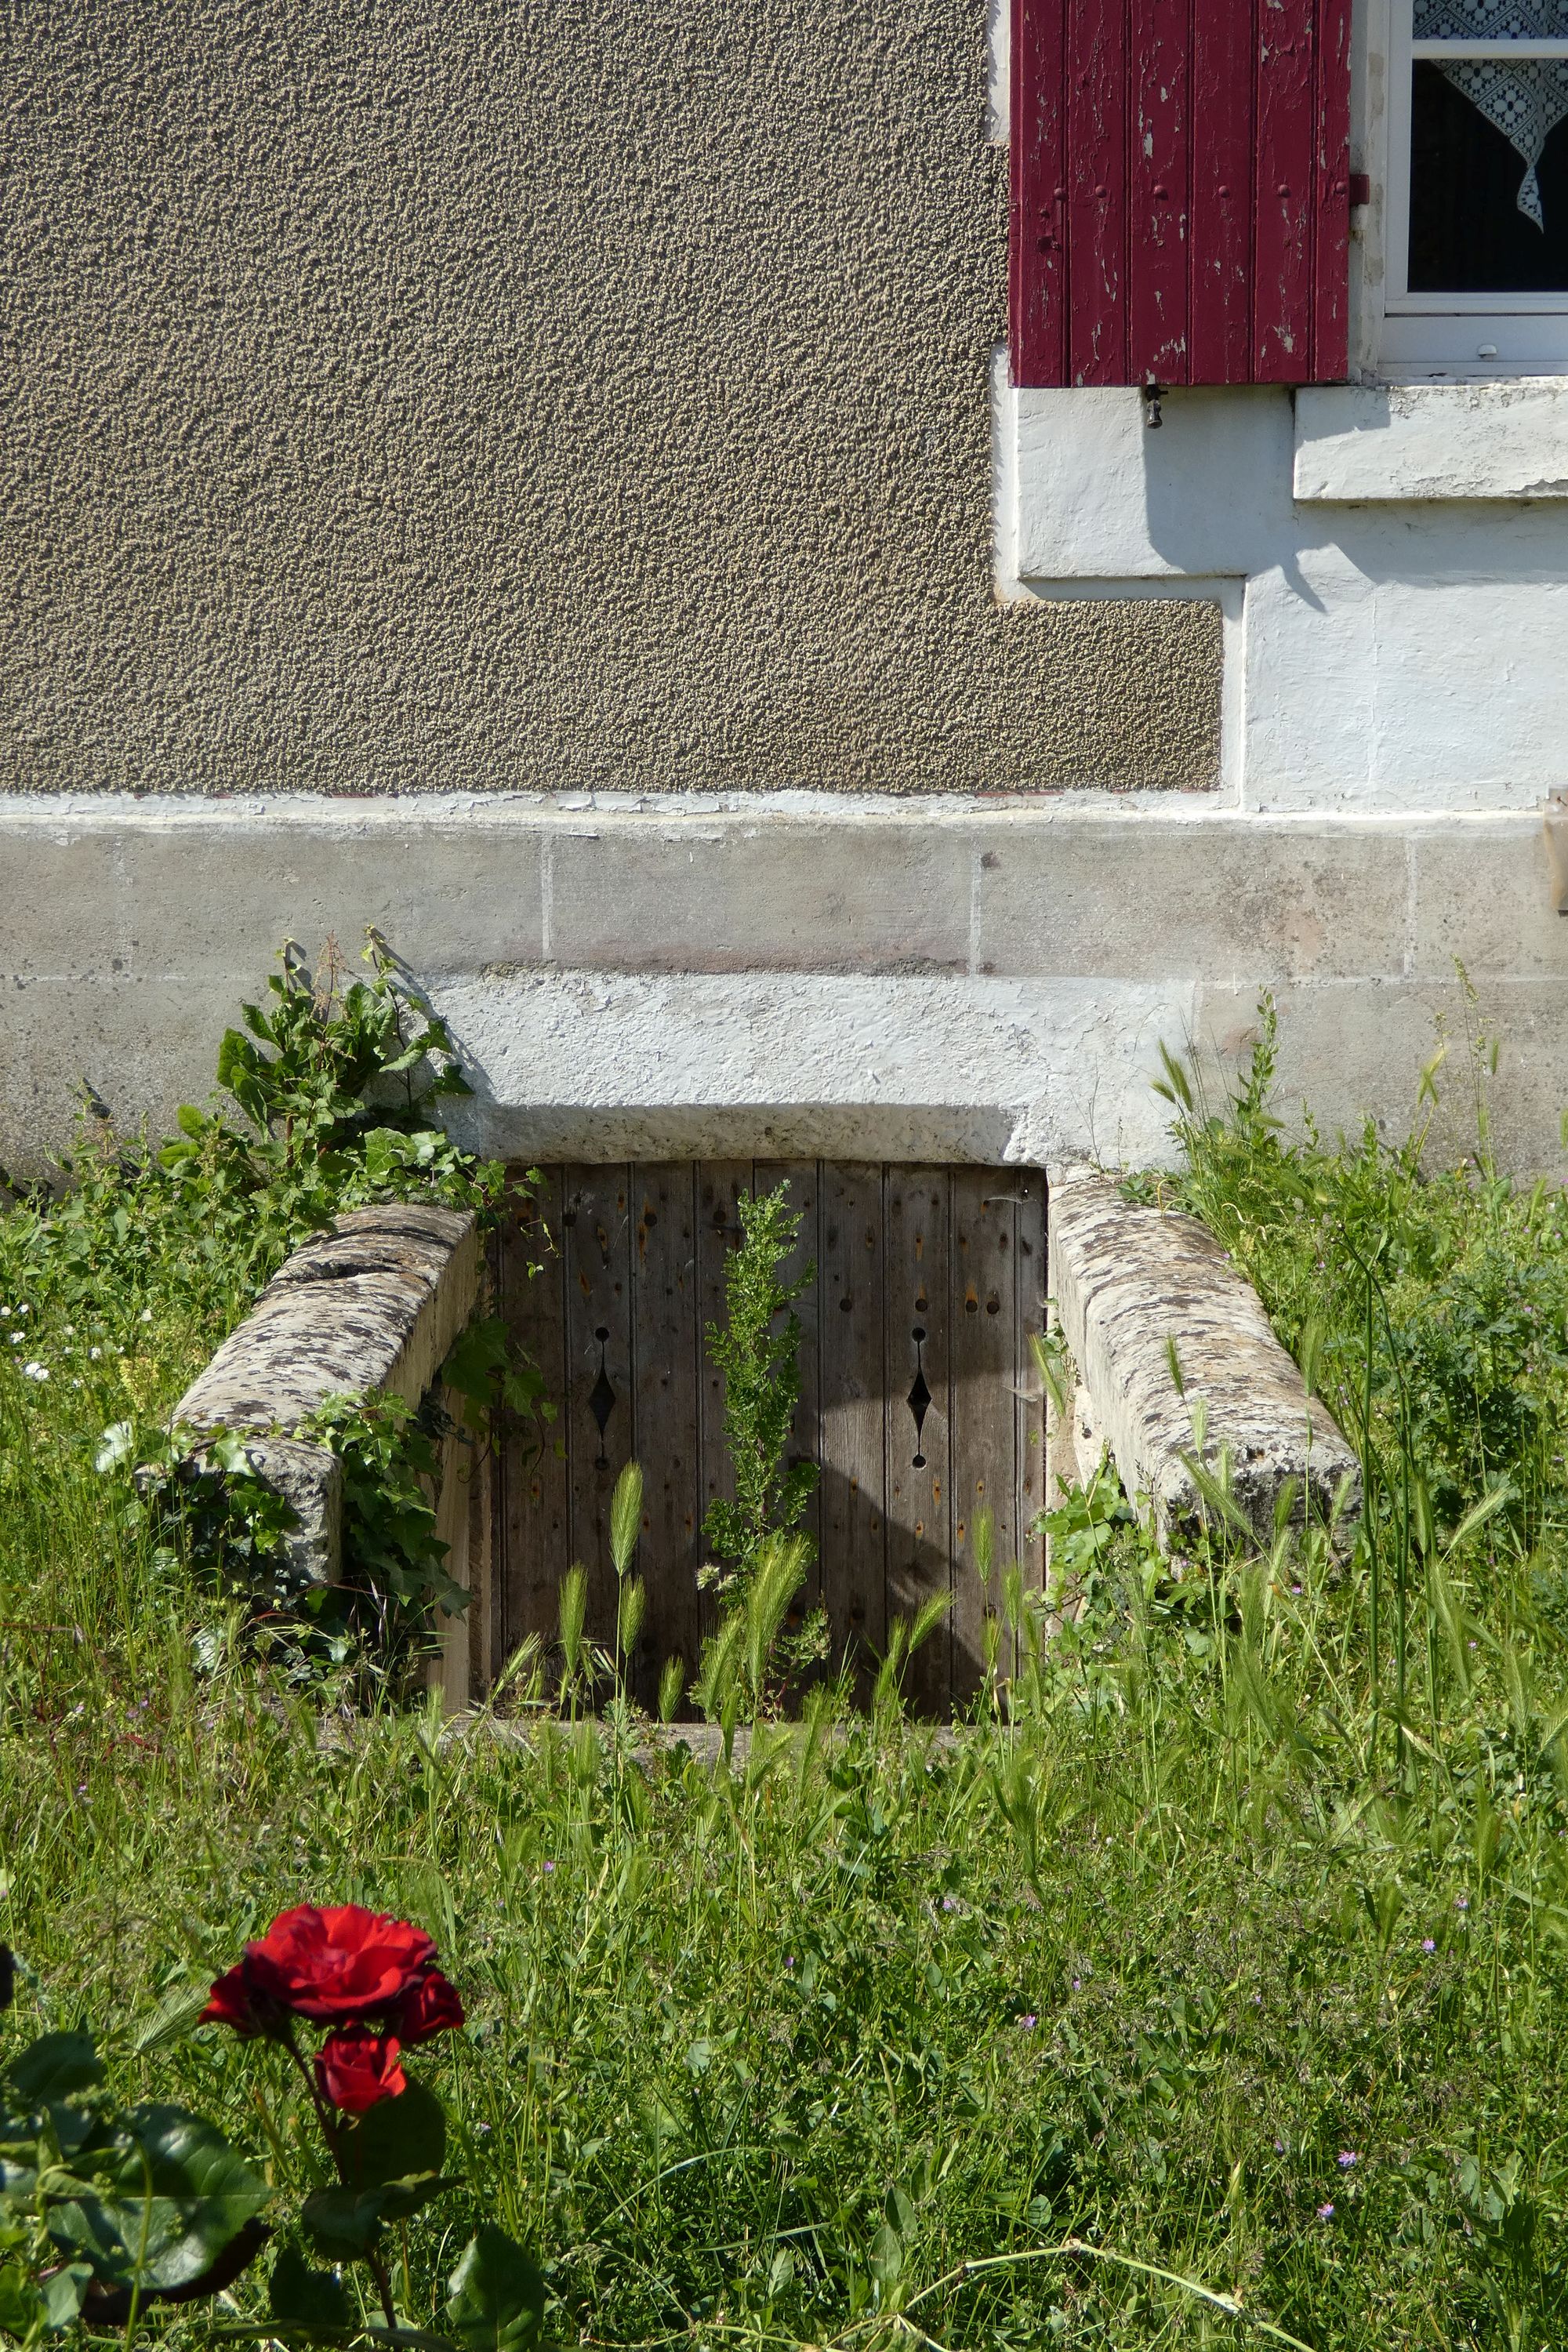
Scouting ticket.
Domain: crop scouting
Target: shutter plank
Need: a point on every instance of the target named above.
(1282, 291)
(1096, 183)
(597, 1228)
(804, 1179)
(533, 1511)
(1332, 205)
(1036, 161)
(665, 1353)
(854, 1389)
(984, 1455)
(1222, 125)
(1158, 195)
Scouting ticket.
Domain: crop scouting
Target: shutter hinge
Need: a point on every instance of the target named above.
(1152, 416)
(1360, 189)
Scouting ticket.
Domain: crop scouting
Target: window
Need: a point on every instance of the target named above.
(1477, 219)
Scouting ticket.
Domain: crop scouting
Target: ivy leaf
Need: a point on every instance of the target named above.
(342, 2221)
(495, 2301)
(886, 2256)
(65, 2293)
(172, 2195)
(299, 2296)
(54, 2066)
(20, 2301)
(396, 2139)
(115, 1446)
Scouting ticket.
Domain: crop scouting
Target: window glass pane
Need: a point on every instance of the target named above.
(1489, 175)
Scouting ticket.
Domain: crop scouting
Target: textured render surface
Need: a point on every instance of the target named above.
(371, 1305)
(1128, 1284)
(529, 393)
(849, 975)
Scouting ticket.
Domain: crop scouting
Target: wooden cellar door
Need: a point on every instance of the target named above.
(919, 1400)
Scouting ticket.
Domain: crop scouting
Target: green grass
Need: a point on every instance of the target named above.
(870, 2023)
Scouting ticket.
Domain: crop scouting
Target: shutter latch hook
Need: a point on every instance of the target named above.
(1152, 416)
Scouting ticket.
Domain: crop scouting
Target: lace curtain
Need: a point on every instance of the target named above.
(1525, 101)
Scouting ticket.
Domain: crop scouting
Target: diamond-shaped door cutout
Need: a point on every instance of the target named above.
(920, 1397)
(602, 1395)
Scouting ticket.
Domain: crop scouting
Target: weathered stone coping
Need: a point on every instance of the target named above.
(1130, 1282)
(371, 1305)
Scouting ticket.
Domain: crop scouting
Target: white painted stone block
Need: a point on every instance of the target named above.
(1433, 442)
(1101, 497)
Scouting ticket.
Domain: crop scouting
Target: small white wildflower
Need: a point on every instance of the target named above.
(22, 1310)
(33, 1371)
(17, 1337)
(95, 1354)
(4, 1315)
(70, 1332)
(146, 1315)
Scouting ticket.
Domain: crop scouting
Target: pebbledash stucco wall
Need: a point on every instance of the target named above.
(530, 395)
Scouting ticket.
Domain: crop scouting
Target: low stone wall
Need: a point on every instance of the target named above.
(1130, 1285)
(371, 1305)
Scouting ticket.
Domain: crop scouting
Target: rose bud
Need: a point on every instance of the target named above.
(430, 2005)
(356, 2069)
(340, 1965)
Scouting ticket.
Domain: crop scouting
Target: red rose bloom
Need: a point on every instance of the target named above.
(230, 2004)
(429, 2006)
(357, 2069)
(339, 1965)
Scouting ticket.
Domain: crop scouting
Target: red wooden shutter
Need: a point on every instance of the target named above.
(1181, 190)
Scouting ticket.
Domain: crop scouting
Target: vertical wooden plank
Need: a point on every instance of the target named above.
(665, 1358)
(450, 1670)
(599, 1373)
(1097, 190)
(1221, 134)
(1029, 1410)
(854, 1389)
(1037, 254)
(1282, 194)
(721, 1185)
(803, 1176)
(919, 1318)
(1332, 195)
(985, 1465)
(482, 1532)
(533, 1516)
(1158, 194)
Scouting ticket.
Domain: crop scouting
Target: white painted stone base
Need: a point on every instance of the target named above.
(823, 976)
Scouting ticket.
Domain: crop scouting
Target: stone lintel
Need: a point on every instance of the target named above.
(1130, 1282)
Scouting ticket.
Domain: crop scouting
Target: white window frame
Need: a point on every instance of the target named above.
(1448, 335)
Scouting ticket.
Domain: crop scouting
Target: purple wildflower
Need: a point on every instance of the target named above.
(1325, 2212)
(1348, 2155)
